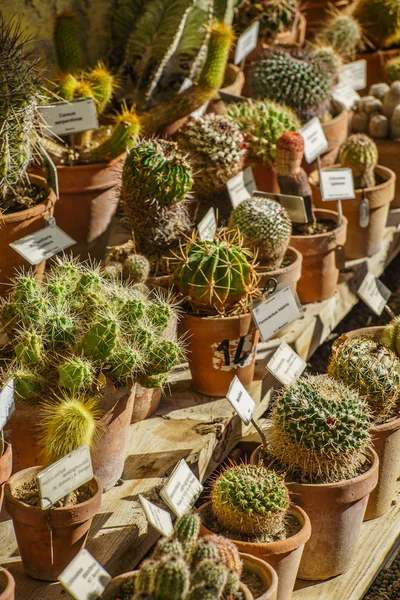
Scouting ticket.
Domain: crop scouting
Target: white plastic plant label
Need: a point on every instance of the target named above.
(7, 402)
(64, 476)
(374, 293)
(66, 118)
(241, 187)
(294, 205)
(345, 93)
(274, 313)
(337, 184)
(241, 400)
(207, 226)
(355, 73)
(84, 578)
(42, 244)
(315, 141)
(246, 43)
(286, 365)
(50, 171)
(182, 489)
(159, 518)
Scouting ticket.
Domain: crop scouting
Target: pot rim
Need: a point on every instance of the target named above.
(387, 174)
(8, 581)
(250, 559)
(92, 166)
(298, 258)
(331, 213)
(191, 317)
(6, 458)
(341, 114)
(46, 204)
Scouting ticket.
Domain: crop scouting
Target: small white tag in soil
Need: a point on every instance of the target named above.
(182, 489)
(355, 73)
(315, 141)
(293, 204)
(241, 400)
(286, 365)
(159, 518)
(207, 226)
(42, 244)
(50, 170)
(241, 187)
(64, 476)
(246, 42)
(337, 184)
(275, 313)
(7, 403)
(65, 118)
(374, 293)
(84, 578)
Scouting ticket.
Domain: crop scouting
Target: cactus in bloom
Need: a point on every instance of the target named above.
(266, 228)
(371, 369)
(216, 147)
(391, 336)
(250, 500)
(343, 33)
(360, 154)
(380, 21)
(75, 374)
(320, 430)
(274, 17)
(66, 42)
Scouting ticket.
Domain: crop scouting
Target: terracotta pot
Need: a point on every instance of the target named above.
(362, 241)
(376, 61)
(283, 556)
(233, 84)
(70, 528)
(89, 198)
(5, 472)
(17, 225)
(285, 276)
(264, 571)
(218, 349)
(146, 403)
(265, 177)
(336, 132)
(317, 12)
(320, 274)
(7, 585)
(388, 157)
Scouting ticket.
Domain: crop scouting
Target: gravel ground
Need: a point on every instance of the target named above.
(387, 584)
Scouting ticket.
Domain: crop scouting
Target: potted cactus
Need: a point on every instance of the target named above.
(88, 340)
(375, 187)
(7, 585)
(217, 280)
(319, 437)
(25, 201)
(344, 33)
(367, 360)
(250, 505)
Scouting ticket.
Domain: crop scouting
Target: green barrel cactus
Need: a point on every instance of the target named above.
(343, 33)
(100, 340)
(66, 43)
(360, 154)
(163, 357)
(380, 21)
(391, 336)
(171, 580)
(136, 268)
(125, 363)
(60, 328)
(75, 374)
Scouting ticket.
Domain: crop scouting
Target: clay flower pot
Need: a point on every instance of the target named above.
(218, 349)
(17, 225)
(5, 472)
(376, 62)
(388, 151)
(36, 543)
(147, 401)
(286, 276)
(283, 556)
(362, 241)
(265, 176)
(233, 84)
(320, 274)
(7, 585)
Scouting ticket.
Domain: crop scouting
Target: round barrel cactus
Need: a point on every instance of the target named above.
(360, 154)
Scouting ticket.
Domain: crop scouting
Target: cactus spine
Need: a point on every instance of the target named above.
(360, 154)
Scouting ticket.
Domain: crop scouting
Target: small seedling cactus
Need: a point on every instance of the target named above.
(360, 154)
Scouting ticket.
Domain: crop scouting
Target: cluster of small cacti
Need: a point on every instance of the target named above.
(378, 114)
(320, 430)
(122, 262)
(263, 123)
(380, 21)
(186, 567)
(274, 17)
(360, 154)
(216, 147)
(302, 80)
(266, 228)
(218, 276)
(342, 32)
(371, 369)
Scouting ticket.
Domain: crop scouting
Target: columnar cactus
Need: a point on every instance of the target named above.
(66, 43)
(343, 33)
(266, 228)
(274, 17)
(391, 336)
(320, 430)
(360, 154)
(380, 21)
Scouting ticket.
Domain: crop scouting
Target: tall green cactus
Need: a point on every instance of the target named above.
(66, 42)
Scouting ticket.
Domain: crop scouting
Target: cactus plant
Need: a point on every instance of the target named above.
(27, 383)
(372, 370)
(380, 21)
(320, 430)
(75, 374)
(391, 336)
(343, 33)
(66, 43)
(392, 69)
(360, 154)
(274, 17)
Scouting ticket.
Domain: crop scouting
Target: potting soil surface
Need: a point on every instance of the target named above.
(28, 493)
(23, 196)
(254, 584)
(320, 226)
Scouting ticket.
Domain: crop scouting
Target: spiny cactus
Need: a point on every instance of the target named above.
(371, 369)
(360, 154)
(216, 276)
(125, 363)
(122, 262)
(320, 430)
(136, 268)
(274, 17)
(100, 340)
(292, 178)
(391, 336)
(263, 123)
(60, 328)
(343, 33)
(66, 43)
(171, 581)
(163, 356)
(75, 374)
(392, 69)
(227, 551)
(154, 381)
(266, 228)
(380, 21)
(29, 349)
(27, 383)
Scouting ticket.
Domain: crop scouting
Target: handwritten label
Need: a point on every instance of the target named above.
(64, 476)
(246, 42)
(344, 92)
(315, 141)
(208, 226)
(293, 204)
(182, 489)
(159, 518)
(42, 244)
(50, 170)
(241, 187)
(374, 293)
(337, 184)
(7, 402)
(286, 365)
(241, 400)
(275, 313)
(355, 74)
(84, 578)
(65, 118)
